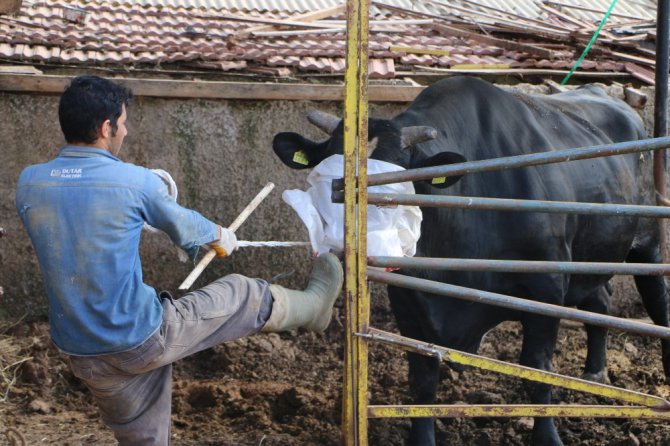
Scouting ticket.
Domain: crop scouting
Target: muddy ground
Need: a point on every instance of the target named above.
(286, 390)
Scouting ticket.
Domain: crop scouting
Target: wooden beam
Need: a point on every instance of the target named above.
(566, 18)
(641, 73)
(19, 69)
(534, 33)
(306, 17)
(421, 70)
(235, 18)
(500, 43)
(630, 24)
(635, 98)
(299, 32)
(480, 66)
(631, 58)
(554, 87)
(162, 88)
(429, 51)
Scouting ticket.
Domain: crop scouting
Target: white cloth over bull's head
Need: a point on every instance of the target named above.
(392, 231)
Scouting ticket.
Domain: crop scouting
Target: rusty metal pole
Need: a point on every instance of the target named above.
(661, 108)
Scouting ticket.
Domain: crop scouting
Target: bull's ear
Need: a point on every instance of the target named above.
(295, 151)
(440, 160)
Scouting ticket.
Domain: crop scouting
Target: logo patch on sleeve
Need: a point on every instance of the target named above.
(300, 157)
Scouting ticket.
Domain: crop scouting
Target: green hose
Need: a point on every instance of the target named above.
(588, 47)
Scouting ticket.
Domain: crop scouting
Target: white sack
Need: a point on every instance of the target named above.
(392, 231)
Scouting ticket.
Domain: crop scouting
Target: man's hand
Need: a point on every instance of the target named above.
(226, 244)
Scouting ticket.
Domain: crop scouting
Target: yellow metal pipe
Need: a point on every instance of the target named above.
(363, 297)
(516, 370)
(354, 408)
(350, 118)
(521, 410)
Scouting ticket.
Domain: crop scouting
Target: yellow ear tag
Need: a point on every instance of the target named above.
(438, 180)
(301, 158)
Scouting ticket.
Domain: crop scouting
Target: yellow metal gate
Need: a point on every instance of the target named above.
(356, 410)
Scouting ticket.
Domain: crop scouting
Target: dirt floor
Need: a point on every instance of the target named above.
(286, 390)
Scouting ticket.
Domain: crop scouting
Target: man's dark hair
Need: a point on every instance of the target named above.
(88, 102)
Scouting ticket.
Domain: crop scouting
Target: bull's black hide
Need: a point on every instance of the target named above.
(472, 119)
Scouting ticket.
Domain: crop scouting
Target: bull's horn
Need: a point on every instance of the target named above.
(324, 121)
(416, 134)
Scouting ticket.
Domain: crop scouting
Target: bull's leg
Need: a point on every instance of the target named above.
(424, 372)
(539, 341)
(424, 376)
(595, 368)
(654, 292)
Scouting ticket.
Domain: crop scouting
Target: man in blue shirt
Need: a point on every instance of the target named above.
(84, 212)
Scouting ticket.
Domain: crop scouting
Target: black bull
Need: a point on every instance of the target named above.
(466, 118)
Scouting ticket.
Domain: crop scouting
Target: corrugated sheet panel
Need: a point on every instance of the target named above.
(135, 35)
(291, 6)
(625, 10)
(276, 6)
(590, 10)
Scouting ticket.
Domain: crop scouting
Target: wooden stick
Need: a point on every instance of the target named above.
(500, 43)
(307, 17)
(573, 21)
(423, 70)
(200, 267)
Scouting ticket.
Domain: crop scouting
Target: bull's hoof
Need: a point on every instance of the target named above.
(545, 433)
(600, 377)
(547, 440)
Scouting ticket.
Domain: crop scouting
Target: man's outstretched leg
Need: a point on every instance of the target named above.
(312, 308)
(133, 388)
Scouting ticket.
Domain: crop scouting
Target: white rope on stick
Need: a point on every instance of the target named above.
(269, 244)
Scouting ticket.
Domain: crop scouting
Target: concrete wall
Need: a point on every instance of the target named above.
(219, 153)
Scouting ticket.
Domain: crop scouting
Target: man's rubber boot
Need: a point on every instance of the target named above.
(311, 308)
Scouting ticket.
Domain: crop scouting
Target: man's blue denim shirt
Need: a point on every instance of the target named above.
(84, 212)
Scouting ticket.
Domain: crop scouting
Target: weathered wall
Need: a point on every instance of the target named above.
(219, 153)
